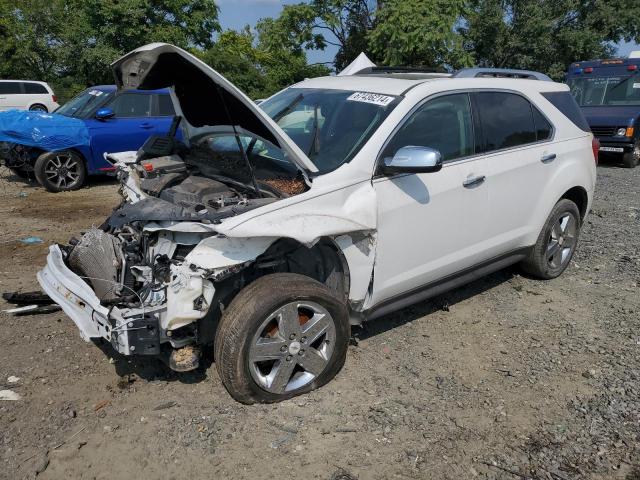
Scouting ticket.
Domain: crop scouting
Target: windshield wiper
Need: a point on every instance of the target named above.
(288, 108)
(624, 81)
(315, 141)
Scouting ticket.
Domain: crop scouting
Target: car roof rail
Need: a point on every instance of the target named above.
(391, 70)
(501, 73)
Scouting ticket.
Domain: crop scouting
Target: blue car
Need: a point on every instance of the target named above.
(608, 92)
(63, 148)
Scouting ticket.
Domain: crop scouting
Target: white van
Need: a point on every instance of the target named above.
(27, 95)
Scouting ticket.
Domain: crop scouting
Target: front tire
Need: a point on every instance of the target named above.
(60, 171)
(632, 158)
(557, 242)
(283, 335)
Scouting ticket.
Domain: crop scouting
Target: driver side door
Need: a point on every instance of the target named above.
(431, 225)
(127, 130)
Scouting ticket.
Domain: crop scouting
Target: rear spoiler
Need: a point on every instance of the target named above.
(501, 73)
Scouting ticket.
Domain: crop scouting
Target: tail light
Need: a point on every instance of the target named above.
(55, 99)
(595, 146)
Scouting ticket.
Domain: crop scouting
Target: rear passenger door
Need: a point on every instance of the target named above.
(515, 138)
(162, 113)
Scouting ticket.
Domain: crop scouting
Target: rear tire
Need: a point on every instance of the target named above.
(60, 171)
(632, 158)
(38, 107)
(283, 335)
(557, 242)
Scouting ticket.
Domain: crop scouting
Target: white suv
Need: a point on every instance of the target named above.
(27, 95)
(338, 200)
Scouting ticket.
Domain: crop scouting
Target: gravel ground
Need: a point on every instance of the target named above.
(506, 378)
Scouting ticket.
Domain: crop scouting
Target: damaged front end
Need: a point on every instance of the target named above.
(156, 276)
(145, 279)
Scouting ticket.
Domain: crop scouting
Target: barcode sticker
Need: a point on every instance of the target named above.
(375, 98)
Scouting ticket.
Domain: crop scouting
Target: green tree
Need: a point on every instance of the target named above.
(256, 63)
(320, 23)
(547, 35)
(419, 32)
(72, 42)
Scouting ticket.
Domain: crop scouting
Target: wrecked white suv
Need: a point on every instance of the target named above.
(270, 230)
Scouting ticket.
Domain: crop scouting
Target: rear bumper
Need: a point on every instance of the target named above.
(130, 331)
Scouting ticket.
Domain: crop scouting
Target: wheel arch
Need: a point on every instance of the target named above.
(580, 197)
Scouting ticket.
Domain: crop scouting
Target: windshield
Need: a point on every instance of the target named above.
(614, 90)
(81, 106)
(330, 126)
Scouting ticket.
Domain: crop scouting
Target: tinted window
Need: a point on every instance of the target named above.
(8, 88)
(565, 102)
(543, 127)
(506, 120)
(165, 106)
(131, 105)
(443, 124)
(34, 88)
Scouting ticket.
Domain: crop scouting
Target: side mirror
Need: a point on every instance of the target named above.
(104, 113)
(413, 160)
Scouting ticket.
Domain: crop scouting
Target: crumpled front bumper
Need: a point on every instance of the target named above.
(130, 331)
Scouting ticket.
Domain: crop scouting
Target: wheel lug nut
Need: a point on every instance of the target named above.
(283, 348)
(288, 358)
(292, 336)
(303, 339)
(301, 353)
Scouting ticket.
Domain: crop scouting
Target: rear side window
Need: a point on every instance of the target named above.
(506, 120)
(565, 102)
(165, 106)
(131, 105)
(34, 88)
(9, 88)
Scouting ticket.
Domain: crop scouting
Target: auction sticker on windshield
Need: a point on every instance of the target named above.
(375, 98)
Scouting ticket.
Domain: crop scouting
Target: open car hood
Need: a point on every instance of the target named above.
(205, 97)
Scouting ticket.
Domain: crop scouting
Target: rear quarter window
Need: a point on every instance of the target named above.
(567, 105)
(34, 88)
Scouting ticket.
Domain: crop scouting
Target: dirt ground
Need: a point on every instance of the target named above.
(506, 378)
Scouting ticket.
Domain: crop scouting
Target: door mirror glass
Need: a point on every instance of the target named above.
(104, 113)
(413, 159)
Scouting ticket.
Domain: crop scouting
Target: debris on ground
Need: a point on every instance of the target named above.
(9, 395)
(31, 240)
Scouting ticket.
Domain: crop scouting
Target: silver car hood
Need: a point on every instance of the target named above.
(204, 96)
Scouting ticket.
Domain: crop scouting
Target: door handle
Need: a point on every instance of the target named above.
(146, 125)
(474, 181)
(548, 157)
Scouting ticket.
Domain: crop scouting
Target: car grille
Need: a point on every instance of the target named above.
(604, 131)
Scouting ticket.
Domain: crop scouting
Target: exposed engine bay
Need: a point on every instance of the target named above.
(137, 263)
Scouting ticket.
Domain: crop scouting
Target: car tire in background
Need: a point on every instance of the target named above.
(60, 171)
(283, 335)
(557, 242)
(632, 158)
(38, 107)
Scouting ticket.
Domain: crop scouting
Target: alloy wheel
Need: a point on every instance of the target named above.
(292, 347)
(562, 240)
(63, 170)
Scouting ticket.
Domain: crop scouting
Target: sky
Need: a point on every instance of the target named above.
(236, 14)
